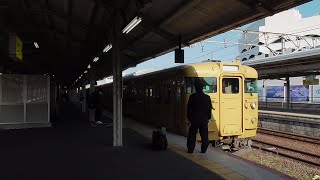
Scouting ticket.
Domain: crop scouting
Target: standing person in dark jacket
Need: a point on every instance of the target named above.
(97, 103)
(199, 114)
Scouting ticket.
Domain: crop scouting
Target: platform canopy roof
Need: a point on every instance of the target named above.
(70, 33)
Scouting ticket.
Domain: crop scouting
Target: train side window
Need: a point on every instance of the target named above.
(251, 85)
(134, 94)
(150, 92)
(230, 86)
(210, 84)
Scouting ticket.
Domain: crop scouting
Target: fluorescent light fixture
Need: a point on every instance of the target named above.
(95, 59)
(36, 45)
(89, 66)
(135, 21)
(85, 71)
(107, 48)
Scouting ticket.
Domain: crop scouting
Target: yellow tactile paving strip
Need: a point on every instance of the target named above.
(210, 165)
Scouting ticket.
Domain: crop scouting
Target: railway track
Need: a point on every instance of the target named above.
(290, 136)
(288, 152)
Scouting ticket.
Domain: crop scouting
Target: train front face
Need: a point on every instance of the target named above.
(238, 101)
(233, 92)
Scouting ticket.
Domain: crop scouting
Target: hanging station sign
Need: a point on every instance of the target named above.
(311, 80)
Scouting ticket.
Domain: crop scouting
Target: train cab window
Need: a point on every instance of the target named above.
(150, 92)
(251, 86)
(230, 86)
(210, 84)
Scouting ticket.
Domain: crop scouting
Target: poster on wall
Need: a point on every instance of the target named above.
(275, 93)
(316, 93)
(299, 93)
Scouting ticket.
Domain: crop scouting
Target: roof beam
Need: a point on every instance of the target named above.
(105, 6)
(260, 6)
(91, 21)
(167, 35)
(51, 26)
(178, 12)
(69, 19)
(50, 20)
(62, 16)
(160, 32)
(36, 28)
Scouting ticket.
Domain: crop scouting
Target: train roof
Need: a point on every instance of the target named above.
(210, 63)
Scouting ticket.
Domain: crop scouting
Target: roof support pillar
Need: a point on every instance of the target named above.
(117, 82)
(288, 101)
(84, 104)
(92, 88)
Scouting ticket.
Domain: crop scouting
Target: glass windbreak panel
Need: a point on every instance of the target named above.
(251, 85)
(230, 86)
(209, 84)
(12, 89)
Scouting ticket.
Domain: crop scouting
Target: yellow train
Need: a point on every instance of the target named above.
(160, 98)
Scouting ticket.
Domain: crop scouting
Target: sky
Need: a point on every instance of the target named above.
(205, 50)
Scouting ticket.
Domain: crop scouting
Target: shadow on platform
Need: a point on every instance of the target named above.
(74, 150)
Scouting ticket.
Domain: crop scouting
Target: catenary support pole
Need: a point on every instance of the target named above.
(117, 83)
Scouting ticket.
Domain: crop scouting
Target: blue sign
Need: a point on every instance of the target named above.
(275, 93)
(299, 93)
(316, 93)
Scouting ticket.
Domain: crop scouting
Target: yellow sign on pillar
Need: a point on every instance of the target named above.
(15, 47)
(19, 46)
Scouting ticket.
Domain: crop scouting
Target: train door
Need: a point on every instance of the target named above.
(231, 106)
(171, 104)
(177, 105)
(147, 89)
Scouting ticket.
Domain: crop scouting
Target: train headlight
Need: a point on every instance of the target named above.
(253, 105)
(253, 120)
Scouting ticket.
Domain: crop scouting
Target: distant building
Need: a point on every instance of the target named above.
(253, 45)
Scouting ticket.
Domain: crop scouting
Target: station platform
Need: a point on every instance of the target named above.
(71, 149)
(298, 122)
(303, 108)
(299, 115)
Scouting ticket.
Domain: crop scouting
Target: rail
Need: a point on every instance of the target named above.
(289, 135)
(261, 145)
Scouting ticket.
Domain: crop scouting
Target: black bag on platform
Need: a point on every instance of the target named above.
(159, 139)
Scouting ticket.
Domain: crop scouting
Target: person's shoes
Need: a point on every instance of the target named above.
(203, 151)
(190, 152)
(99, 122)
